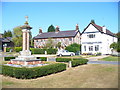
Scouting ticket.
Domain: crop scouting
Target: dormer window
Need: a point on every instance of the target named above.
(91, 36)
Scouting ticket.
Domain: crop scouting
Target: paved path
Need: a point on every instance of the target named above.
(94, 60)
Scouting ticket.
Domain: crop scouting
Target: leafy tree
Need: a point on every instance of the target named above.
(92, 21)
(51, 28)
(73, 47)
(50, 43)
(7, 33)
(114, 46)
(17, 36)
(58, 44)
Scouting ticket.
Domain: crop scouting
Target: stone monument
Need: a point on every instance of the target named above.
(25, 57)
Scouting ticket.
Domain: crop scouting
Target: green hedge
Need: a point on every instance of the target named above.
(8, 58)
(29, 73)
(77, 62)
(42, 51)
(42, 58)
(74, 61)
(18, 49)
(8, 49)
(63, 59)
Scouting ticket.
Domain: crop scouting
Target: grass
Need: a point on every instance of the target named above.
(87, 76)
(110, 58)
(81, 56)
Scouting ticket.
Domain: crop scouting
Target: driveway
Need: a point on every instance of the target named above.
(94, 60)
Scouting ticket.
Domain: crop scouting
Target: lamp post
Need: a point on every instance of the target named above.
(4, 46)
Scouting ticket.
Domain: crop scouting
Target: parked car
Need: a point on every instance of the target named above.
(65, 53)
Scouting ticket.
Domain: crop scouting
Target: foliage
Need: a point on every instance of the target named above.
(50, 43)
(51, 28)
(42, 58)
(63, 59)
(8, 58)
(18, 49)
(42, 51)
(74, 47)
(92, 21)
(115, 46)
(29, 73)
(8, 49)
(76, 62)
(7, 34)
(58, 44)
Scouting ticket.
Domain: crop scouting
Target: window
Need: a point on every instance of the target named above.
(90, 48)
(85, 48)
(91, 35)
(96, 47)
(70, 39)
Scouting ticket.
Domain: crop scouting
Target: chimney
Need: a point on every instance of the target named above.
(104, 29)
(57, 29)
(40, 30)
(77, 27)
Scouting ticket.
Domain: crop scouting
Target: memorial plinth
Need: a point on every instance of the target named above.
(25, 57)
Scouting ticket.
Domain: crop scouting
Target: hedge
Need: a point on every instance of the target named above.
(42, 58)
(42, 51)
(74, 61)
(8, 49)
(29, 73)
(63, 59)
(8, 58)
(79, 62)
(18, 49)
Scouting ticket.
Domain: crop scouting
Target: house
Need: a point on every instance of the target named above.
(96, 39)
(65, 37)
(6, 41)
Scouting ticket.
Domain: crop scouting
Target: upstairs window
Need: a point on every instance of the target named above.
(91, 36)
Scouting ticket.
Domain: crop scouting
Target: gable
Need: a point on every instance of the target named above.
(90, 28)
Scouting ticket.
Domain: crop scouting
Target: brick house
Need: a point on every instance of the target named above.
(65, 37)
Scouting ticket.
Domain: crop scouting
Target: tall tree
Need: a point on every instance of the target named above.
(51, 28)
(93, 21)
(7, 33)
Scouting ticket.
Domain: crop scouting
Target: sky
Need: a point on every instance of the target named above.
(64, 14)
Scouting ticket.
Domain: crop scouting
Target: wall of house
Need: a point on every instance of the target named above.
(100, 40)
(39, 43)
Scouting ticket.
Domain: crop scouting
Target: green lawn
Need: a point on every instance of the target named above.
(84, 76)
(110, 58)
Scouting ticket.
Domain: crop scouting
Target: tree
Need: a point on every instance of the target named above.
(74, 47)
(50, 43)
(115, 46)
(17, 36)
(7, 34)
(58, 45)
(92, 21)
(51, 28)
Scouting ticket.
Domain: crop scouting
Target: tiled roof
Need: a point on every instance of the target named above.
(4, 40)
(70, 33)
(100, 29)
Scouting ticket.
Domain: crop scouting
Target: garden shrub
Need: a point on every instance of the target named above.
(18, 49)
(8, 58)
(8, 49)
(42, 51)
(29, 73)
(42, 58)
(63, 59)
(74, 61)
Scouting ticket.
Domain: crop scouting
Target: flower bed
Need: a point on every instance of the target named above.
(29, 73)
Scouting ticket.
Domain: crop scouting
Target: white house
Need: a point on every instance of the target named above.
(96, 39)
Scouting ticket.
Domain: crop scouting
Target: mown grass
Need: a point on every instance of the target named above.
(84, 76)
(111, 58)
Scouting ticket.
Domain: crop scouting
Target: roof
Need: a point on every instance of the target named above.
(4, 40)
(99, 28)
(60, 34)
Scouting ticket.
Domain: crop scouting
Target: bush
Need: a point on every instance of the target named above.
(8, 49)
(76, 62)
(18, 49)
(42, 51)
(74, 47)
(29, 73)
(8, 58)
(63, 59)
(42, 58)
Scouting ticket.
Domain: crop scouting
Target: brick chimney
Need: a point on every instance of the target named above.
(57, 29)
(104, 29)
(40, 30)
(77, 27)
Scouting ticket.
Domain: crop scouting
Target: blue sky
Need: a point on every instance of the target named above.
(64, 14)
